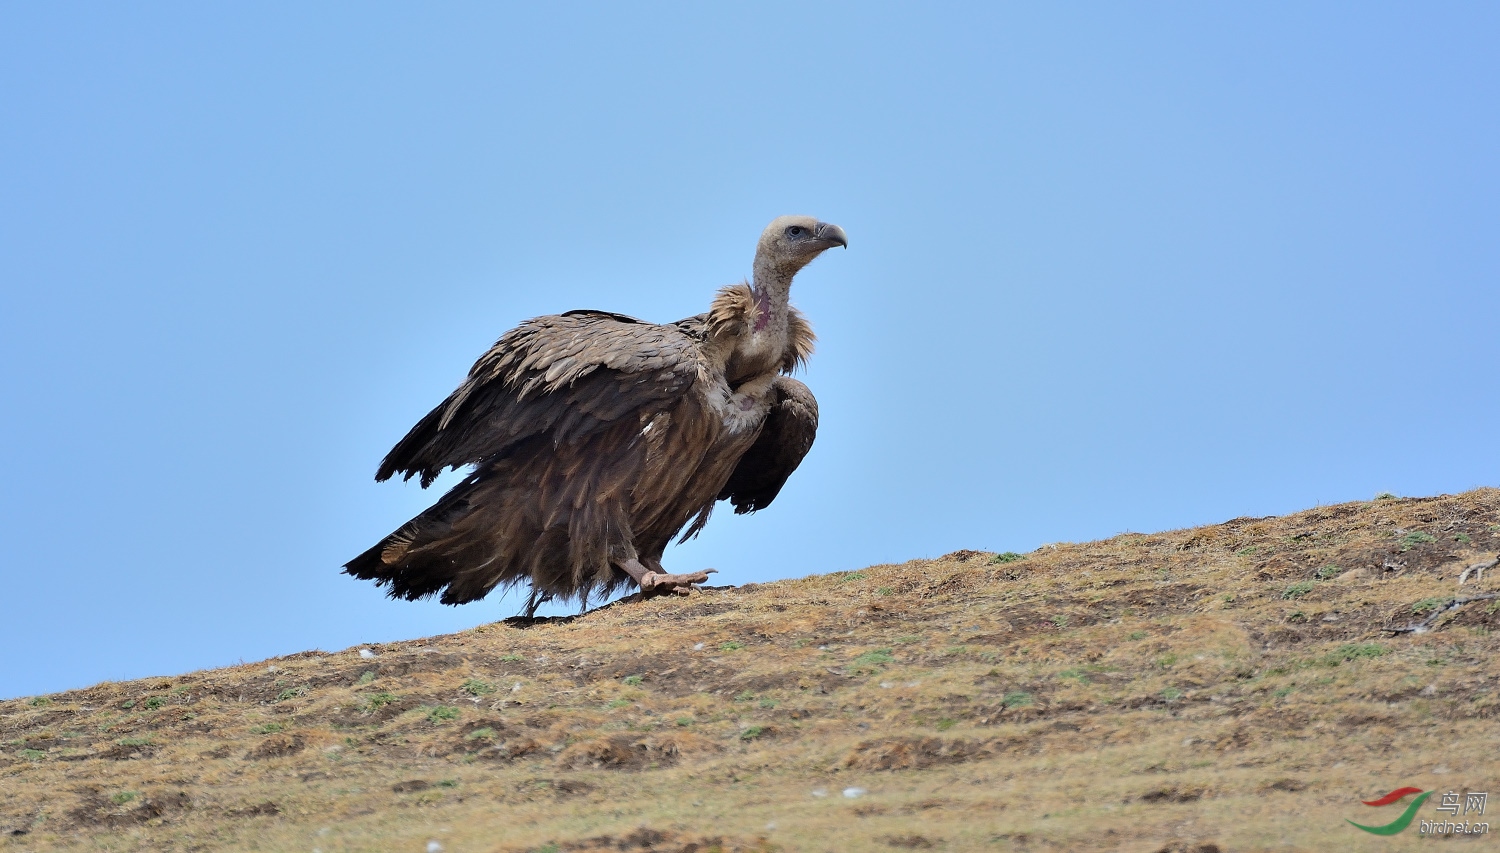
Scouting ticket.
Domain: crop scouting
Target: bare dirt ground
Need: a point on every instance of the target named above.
(1227, 688)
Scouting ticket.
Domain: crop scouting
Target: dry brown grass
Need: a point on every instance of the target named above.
(1195, 690)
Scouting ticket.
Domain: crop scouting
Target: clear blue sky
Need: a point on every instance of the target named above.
(1111, 267)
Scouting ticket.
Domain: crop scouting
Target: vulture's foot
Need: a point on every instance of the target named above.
(660, 583)
(654, 581)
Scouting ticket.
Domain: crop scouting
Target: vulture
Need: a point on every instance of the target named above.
(596, 438)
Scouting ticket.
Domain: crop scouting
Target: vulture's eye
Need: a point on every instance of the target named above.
(795, 231)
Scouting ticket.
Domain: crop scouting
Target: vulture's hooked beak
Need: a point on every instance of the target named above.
(831, 234)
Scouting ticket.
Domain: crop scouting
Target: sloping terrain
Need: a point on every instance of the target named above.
(1235, 687)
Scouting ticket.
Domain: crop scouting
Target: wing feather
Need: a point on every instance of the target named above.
(569, 374)
(784, 440)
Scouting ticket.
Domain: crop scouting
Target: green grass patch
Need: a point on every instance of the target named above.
(1007, 557)
(365, 678)
(854, 576)
(1427, 605)
(1297, 590)
(476, 687)
(946, 723)
(752, 733)
(1017, 699)
(1415, 538)
(134, 741)
(155, 702)
(375, 701)
(874, 658)
(485, 733)
(32, 754)
(731, 646)
(1329, 572)
(1247, 552)
(122, 797)
(267, 728)
(633, 680)
(617, 703)
(39, 702)
(1352, 652)
(511, 658)
(442, 714)
(291, 693)
(1171, 694)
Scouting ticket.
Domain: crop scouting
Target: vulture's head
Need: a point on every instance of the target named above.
(791, 242)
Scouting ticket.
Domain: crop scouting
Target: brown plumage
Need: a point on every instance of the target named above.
(597, 437)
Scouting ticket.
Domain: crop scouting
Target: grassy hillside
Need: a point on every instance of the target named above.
(1231, 688)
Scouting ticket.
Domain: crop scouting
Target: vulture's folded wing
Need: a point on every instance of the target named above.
(786, 437)
(567, 375)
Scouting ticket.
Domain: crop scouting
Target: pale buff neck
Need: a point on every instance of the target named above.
(772, 286)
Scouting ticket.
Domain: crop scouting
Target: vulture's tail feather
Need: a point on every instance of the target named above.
(407, 561)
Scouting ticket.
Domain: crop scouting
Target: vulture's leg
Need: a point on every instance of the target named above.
(535, 600)
(654, 581)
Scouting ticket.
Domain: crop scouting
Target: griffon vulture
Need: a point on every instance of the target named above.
(597, 437)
